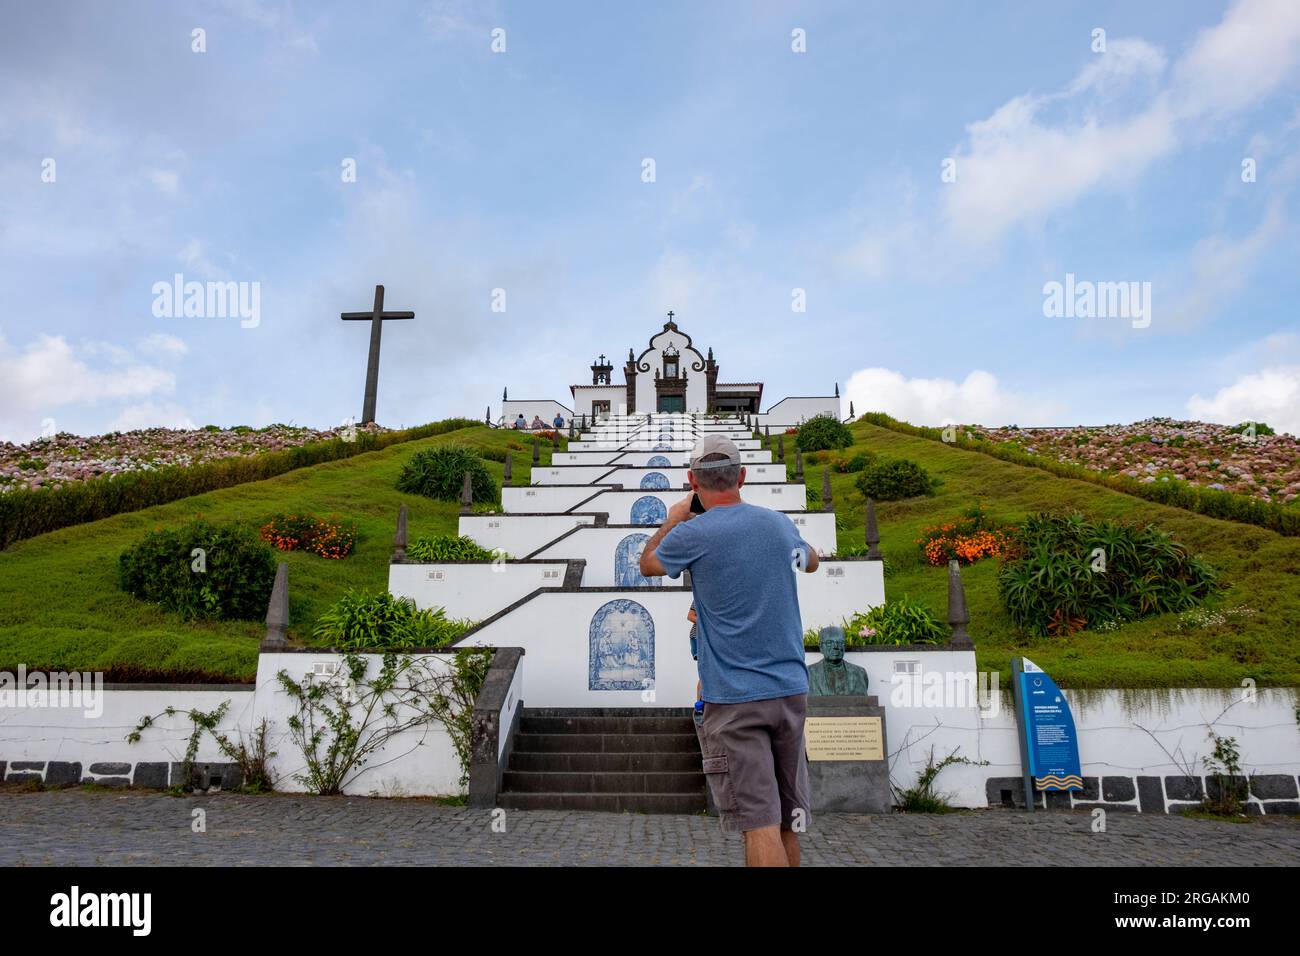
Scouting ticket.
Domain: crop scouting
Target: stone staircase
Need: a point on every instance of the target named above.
(617, 759)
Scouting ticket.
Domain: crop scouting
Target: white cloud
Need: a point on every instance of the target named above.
(1241, 60)
(163, 346)
(151, 415)
(1222, 264)
(1018, 165)
(444, 19)
(194, 257)
(50, 375)
(977, 400)
(1271, 395)
(1264, 386)
(166, 181)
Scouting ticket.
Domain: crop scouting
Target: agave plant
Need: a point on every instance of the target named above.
(1052, 585)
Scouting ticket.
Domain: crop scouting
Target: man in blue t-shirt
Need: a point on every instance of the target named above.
(743, 559)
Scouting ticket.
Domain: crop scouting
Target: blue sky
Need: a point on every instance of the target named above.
(523, 170)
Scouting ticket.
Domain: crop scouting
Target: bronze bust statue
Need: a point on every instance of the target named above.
(833, 676)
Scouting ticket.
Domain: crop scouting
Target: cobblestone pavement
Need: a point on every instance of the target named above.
(93, 828)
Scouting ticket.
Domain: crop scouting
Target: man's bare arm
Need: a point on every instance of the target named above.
(651, 566)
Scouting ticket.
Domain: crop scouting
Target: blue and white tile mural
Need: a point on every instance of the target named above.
(662, 448)
(621, 647)
(627, 563)
(649, 510)
(658, 461)
(655, 481)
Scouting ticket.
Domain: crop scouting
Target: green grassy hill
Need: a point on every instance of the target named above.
(1260, 570)
(60, 607)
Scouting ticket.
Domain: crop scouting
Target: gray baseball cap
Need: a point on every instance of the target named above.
(714, 445)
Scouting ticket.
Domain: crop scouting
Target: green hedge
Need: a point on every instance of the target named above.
(1177, 494)
(26, 513)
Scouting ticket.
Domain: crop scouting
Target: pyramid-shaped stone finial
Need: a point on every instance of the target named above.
(467, 495)
(399, 539)
(873, 535)
(487, 416)
(277, 613)
(852, 414)
(958, 616)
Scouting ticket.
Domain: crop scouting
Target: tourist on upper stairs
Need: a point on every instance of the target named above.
(754, 682)
(559, 421)
(538, 424)
(521, 422)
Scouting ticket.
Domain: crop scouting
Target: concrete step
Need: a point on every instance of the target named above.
(517, 781)
(687, 742)
(607, 711)
(530, 723)
(577, 762)
(605, 802)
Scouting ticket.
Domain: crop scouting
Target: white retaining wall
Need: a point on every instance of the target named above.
(631, 476)
(99, 734)
(792, 412)
(618, 504)
(519, 534)
(598, 545)
(472, 590)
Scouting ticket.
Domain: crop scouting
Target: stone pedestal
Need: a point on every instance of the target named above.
(848, 766)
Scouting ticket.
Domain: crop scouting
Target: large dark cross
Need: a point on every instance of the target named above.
(376, 317)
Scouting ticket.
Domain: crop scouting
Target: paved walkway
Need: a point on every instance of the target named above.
(95, 828)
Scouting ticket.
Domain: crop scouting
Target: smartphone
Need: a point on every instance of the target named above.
(696, 506)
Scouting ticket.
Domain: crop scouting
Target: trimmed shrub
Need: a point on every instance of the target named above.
(448, 547)
(328, 538)
(26, 513)
(375, 620)
(823, 433)
(1067, 573)
(230, 580)
(439, 472)
(895, 479)
(859, 462)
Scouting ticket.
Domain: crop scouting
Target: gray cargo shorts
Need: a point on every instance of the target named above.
(755, 764)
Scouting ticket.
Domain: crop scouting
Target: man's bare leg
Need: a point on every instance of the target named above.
(765, 847)
(791, 841)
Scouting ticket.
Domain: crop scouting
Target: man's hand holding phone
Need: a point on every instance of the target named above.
(682, 510)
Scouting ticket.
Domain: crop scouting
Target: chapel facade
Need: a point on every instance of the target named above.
(669, 375)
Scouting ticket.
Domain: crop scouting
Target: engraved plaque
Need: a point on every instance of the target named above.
(843, 738)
